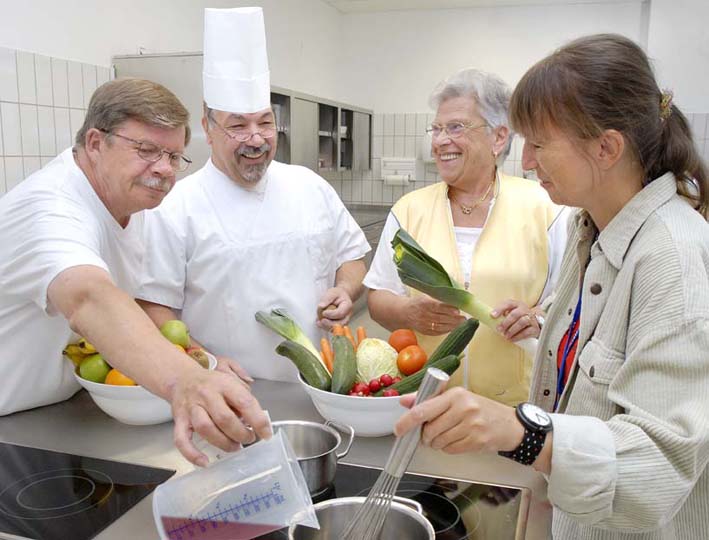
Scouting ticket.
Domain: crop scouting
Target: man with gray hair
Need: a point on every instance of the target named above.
(247, 233)
(71, 242)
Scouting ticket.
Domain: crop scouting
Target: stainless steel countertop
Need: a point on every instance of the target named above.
(77, 426)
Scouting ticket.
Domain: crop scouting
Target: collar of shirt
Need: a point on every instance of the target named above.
(616, 238)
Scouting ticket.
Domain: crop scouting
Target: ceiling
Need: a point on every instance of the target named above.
(363, 6)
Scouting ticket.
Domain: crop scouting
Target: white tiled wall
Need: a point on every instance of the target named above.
(43, 101)
(400, 135)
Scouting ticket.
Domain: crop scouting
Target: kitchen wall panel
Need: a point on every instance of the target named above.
(42, 105)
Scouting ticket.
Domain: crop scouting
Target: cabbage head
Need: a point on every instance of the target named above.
(375, 357)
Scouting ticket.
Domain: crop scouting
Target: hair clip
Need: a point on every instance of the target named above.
(665, 105)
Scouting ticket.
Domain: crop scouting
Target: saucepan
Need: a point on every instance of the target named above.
(315, 446)
(404, 520)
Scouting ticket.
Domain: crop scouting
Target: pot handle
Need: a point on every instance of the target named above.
(344, 427)
(410, 503)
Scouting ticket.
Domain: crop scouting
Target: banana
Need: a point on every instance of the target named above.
(86, 347)
(74, 353)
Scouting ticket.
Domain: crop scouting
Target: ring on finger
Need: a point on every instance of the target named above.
(530, 319)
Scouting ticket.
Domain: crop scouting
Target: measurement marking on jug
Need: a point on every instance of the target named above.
(227, 515)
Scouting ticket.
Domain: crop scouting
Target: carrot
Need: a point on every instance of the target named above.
(361, 335)
(348, 335)
(338, 330)
(326, 353)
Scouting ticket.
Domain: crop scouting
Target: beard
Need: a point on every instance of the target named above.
(253, 173)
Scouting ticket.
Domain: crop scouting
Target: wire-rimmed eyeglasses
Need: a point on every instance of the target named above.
(152, 153)
(452, 129)
(243, 133)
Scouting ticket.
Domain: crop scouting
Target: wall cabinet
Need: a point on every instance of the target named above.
(315, 132)
(323, 135)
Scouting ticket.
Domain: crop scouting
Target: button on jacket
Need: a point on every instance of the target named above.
(632, 445)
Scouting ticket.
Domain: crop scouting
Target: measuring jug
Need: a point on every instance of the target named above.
(249, 493)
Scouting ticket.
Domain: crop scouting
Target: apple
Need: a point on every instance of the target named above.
(176, 331)
(94, 368)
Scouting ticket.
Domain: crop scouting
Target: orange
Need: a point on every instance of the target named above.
(411, 359)
(117, 378)
(402, 338)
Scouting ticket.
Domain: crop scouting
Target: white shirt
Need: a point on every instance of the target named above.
(383, 275)
(50, 222)
(219, 253)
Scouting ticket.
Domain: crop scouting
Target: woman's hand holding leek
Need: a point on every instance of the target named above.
(519, 320)
(431, 317)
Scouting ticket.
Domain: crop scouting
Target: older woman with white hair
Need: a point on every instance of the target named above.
(499, 235)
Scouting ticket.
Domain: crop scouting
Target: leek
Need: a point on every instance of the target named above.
(420, 271)
(280, 322)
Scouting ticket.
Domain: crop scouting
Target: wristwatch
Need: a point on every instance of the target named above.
(536, 423)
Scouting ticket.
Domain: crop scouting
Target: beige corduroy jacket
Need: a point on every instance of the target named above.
(631, 433)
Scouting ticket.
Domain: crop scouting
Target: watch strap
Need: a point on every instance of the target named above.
(529, 449)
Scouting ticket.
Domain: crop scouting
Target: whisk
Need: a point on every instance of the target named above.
(367, 523)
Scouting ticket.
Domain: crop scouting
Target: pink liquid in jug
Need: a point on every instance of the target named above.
(178, 528)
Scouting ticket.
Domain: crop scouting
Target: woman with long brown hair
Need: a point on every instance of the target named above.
(620, 420)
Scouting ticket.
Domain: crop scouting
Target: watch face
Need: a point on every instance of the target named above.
(535, 415)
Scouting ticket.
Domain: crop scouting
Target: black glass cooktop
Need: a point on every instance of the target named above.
(47, 495)
(458, 510)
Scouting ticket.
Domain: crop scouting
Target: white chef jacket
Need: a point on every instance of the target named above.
(218, 253)
(50, 222)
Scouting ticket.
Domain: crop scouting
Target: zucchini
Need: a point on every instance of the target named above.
(309, 366)
(411, 383)
(455, 342)
(344, 369)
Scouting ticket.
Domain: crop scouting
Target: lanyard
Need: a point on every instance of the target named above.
(572, 336)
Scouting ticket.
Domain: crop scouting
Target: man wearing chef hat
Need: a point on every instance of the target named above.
(246, 233)
(71, 242)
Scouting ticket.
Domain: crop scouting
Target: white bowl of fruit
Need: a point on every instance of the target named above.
(357, 382)
(116, 394)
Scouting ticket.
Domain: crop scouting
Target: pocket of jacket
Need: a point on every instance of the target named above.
(322, 255)
(599, 364)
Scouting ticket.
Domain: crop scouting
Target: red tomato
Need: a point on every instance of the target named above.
(402, 338)
(411, 359)
(374, 385)
(390, 392)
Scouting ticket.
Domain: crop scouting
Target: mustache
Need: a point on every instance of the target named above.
(246, 150)
(154, 182)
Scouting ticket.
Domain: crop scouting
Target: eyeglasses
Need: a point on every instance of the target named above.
(153, 153)
(242, 133)
(453, 130)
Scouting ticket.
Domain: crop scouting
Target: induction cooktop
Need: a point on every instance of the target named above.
(46, 495)
(457, 509)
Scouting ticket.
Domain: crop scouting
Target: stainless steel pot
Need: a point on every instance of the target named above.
(315, 446)
(405, 520)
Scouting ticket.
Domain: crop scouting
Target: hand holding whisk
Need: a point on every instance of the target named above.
(367, 523)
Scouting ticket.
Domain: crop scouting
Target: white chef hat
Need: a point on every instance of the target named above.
(235, 69)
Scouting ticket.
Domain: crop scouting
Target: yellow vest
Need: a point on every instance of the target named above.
(510, 261)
